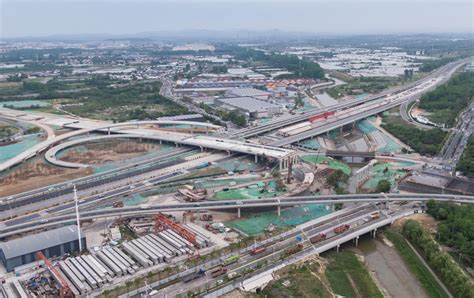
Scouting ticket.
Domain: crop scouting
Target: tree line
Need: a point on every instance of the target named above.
(457, 226)
(302, 68)
(448, 100)
(466, 163)
(440, 261)
(425, 142)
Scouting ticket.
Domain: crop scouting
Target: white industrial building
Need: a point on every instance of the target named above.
(254, 108)
(251, 92)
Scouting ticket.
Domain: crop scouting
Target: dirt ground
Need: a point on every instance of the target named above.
(97, 153)
(426, 220)
(36, 174)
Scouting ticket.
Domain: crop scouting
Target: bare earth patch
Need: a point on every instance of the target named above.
(99, 153)
(37, 174)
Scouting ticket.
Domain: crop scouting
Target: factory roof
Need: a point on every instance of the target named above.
(181, 117)
(36, 242)
(248, 103)
(248, 92)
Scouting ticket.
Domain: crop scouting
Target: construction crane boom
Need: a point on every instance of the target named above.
(162, 222)
(65, 290)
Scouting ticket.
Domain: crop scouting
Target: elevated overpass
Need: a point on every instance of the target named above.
(200, 141)
(277, 202)
(444, 73)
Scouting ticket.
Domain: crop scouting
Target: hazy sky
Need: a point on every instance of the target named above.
(20, 18)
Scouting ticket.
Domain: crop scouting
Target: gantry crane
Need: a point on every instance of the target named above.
(64, 289)
(163, 222)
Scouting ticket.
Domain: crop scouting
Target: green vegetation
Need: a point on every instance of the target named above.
(302, 68)
(383, 186)
(302, 283)
(416, 266)
(219, 69)
(233, 116)
(337, 179)
(358, 85)
(461, 285)
(33, 130)
(429, 65)
(425, 142)
(349, 277)
(447, 101)
(466, 163)
(7, 131)
(332, 163)
(101, 97)
(457, 226)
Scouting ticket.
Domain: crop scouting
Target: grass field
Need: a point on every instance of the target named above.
(412, 261)
(300, 281)
(349, 277)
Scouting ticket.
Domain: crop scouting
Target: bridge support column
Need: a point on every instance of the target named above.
(337, 247)
(279, 211)
(281, 166)
(108, 131)
(333, 207)
(161, 142)
(340, 129)
(256, 158)
(177, 145)
(374, 233)
(356, 241)
(202, 149)
(238, 212)
(228, 152)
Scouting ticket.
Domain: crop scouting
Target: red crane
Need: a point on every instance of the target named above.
(163, 222)
(65, 290)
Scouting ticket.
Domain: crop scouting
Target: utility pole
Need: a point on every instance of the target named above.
(77, 220)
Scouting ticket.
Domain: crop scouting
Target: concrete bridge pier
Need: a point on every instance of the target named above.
(177, 145)
(279, 211)
(337, 247)
(202, 149)
(356, 241)
(374, 233)
(161, 142)
(108, 131)
(228, 152)
(238, 212)
(256, 158)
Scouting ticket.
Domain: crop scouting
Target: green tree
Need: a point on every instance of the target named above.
(384, 186)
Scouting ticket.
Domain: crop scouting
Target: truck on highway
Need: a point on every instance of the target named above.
(231, 260)
(375, 215)
(203, 165)
(219, 271)
(293, 250)
(193, 276)
(341, 229)
(257, 250)
(317, 238)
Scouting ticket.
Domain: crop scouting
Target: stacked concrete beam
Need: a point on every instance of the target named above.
(109, 263)
(73, 279)
(137, 255)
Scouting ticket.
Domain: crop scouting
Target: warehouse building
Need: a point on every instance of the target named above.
(54, 243)
(251, 92)
(252, 107)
